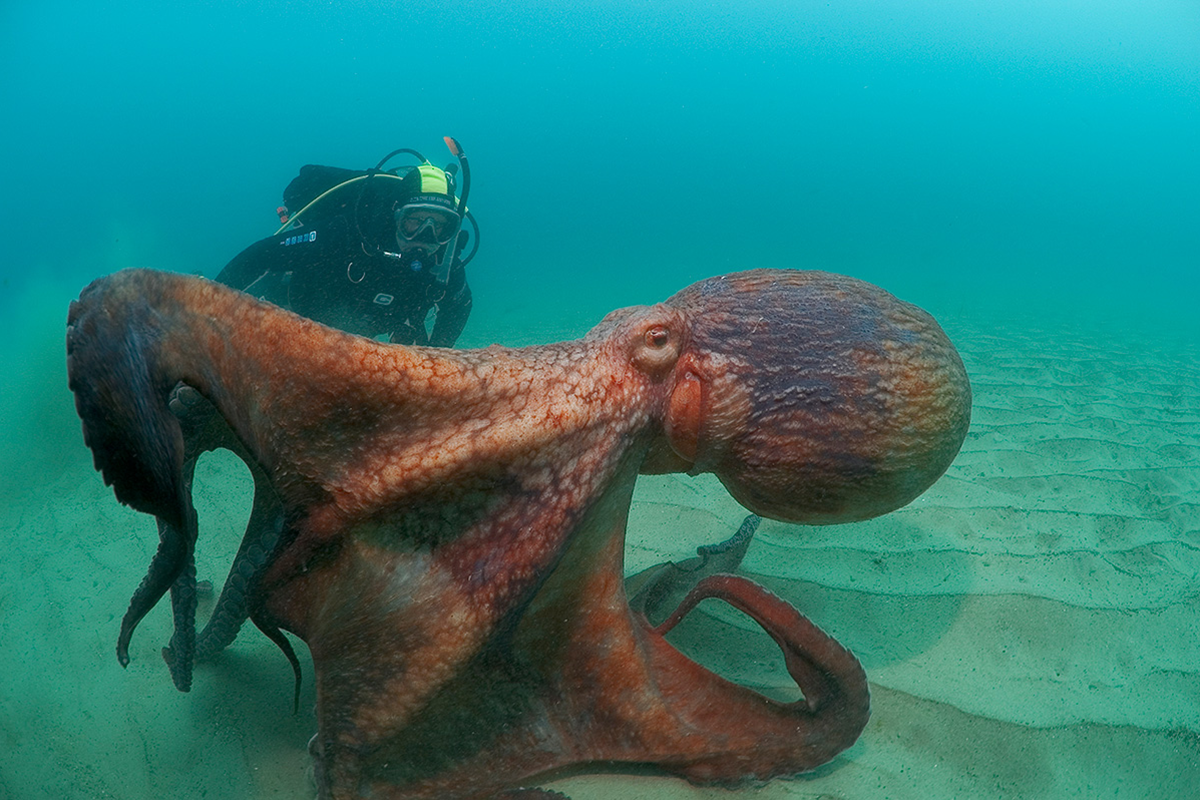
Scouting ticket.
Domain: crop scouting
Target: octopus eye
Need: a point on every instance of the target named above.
(655, 351)
(658, 336)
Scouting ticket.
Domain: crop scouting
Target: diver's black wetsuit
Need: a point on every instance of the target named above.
(341, 267)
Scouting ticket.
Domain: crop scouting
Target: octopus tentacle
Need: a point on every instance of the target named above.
(232, 610)
(658, 705)
(660, 588)
(178, 654)
(785, 738)
(733, 549)
(831, 678)
(204, 430)
(271, 629)
(170, 564)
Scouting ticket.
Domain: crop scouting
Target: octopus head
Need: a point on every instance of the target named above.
(814, 398)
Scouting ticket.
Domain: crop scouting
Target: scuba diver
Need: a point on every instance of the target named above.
(370, 252)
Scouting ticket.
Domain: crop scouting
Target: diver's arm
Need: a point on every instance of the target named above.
(266, 268)
(452, 311)
(408, 334)
(251, 265)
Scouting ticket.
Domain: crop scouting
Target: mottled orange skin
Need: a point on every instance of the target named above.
(455, 520)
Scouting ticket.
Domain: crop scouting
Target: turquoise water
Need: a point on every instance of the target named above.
(1026, 171)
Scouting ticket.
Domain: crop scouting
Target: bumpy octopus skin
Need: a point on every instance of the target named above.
(454, 521)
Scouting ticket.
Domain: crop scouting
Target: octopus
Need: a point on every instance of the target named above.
(444, 530)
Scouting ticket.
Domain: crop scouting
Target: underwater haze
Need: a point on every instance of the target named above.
(1027, 171)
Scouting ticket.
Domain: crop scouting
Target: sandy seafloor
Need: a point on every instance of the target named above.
(1030, 626)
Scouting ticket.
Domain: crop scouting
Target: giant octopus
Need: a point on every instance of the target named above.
(445, 529)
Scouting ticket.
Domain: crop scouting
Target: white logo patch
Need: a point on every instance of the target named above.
(311, 236)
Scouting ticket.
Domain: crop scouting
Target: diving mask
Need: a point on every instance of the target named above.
(426, 222)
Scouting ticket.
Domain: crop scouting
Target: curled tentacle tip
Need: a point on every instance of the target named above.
(123, 647)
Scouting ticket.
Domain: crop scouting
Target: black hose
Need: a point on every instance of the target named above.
(474, 241)
(397, 152)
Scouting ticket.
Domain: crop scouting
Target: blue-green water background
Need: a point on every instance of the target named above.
(1036, 152)
(1024, 166)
